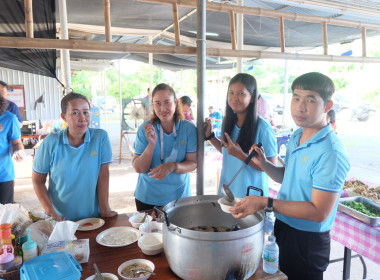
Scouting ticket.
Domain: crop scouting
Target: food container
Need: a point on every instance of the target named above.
(5, 234)
(226, 205)
(57, 266)
(7, 258)
(106, 276)
(372, 221)
(136, 263)
(151, 243)
(135, 220)
(193, 254)
(152, 226)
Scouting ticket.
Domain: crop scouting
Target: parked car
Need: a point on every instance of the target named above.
(106, 103)
(363, 111)
(349, 109)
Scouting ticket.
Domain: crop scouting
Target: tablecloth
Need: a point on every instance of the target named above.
(353, 234)
(357, 236)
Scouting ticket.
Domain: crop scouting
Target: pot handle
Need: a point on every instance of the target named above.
(255, 189)
(163, 213)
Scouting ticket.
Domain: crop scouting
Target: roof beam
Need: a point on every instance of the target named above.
(232, 30)
(269, 13)
(364, 42)
(107, 20)
(324, 38)
(358, 7)
(111, 47)
(28, 18)
(176, 24)
(282, 34)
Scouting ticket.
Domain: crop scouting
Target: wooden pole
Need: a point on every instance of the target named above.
(107, 19)
(29, 18)
(176, 24)
(282, 34)
(364, 42)
(324, 37)
(232, 30)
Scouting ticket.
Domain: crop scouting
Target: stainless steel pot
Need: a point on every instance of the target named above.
(210, 255)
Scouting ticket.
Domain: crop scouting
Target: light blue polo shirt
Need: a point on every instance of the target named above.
(9, 131)
(248, 175)
(73, 171)
(175, 185)
(320, 163)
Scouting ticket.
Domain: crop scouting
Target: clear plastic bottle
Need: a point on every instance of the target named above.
(270, 255)
(269, 222)
(29, 248)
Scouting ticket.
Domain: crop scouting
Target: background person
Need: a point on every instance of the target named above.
(263, 109)
(242, 127)
(77, 160)
(11, 106)
(316, 166)
(9, 141)
(216, 118)
(331, 119)
(186, 107)
(165, 152)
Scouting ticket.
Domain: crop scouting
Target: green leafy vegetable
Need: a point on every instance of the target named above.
(364, 208)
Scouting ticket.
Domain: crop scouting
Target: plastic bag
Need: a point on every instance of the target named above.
(16, 215)
(40, 232)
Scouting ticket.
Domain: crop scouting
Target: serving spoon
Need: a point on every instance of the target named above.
(226, 188)
(142, 270)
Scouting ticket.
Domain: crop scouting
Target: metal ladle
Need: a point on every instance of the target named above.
(226, 188)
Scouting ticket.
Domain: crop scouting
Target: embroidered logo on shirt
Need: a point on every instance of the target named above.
(94, 153)
(182, 143)
(1, 127)
(304, 159)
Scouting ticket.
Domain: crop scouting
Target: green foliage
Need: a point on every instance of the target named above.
(268, 73)
(81, 82)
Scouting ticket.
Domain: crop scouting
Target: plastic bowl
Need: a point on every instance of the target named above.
(135, 220)
(151, 243)
(148, 227)
(135, 261)
(225, 205)
(108, 275)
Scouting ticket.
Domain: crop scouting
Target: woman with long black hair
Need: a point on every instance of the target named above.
(242, 128)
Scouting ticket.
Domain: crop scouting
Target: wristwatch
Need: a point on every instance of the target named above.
(269, 207)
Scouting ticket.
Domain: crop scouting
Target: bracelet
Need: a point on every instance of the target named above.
(212, 135)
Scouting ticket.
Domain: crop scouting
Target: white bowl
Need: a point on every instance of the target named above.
(135, 220)
(151, 243)
(109, 276)
(147, 227)
(135, 261)
(225, 205)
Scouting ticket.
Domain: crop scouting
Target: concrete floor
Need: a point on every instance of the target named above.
(123, 180)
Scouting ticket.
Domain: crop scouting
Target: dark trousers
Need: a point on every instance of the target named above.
(304, 255)
(141, 206)
(7, 192)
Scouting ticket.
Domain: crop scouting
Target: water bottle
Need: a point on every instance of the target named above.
(269, 222)
(270, 256)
